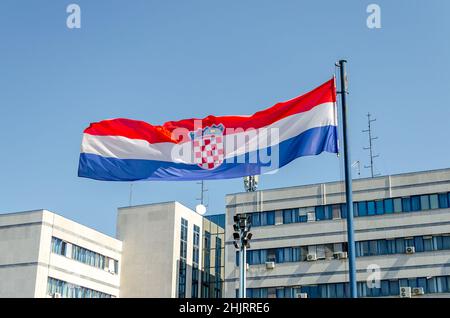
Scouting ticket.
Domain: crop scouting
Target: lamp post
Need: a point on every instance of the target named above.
(242, 236)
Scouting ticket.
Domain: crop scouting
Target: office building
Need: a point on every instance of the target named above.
(298, 248)
(170, 250)
(46, 255)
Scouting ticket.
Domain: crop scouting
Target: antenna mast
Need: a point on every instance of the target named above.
(370, 148)
(202, 192)
(130, 201)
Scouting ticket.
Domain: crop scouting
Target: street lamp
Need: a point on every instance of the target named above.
(242, 236)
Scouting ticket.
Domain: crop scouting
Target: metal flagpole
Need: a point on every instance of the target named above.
(348, 184)
(243, 268)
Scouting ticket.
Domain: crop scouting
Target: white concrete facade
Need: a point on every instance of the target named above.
(27, 260)
(151, 249)
(388, 226)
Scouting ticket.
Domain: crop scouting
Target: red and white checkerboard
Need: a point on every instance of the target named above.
(208, 151)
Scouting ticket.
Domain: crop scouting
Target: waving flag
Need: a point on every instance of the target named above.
(213, 147)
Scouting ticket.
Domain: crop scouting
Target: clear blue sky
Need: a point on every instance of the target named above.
(166, 60)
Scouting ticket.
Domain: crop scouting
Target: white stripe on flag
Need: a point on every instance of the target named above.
(288, 127)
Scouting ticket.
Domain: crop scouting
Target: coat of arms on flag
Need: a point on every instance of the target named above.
(208, 146)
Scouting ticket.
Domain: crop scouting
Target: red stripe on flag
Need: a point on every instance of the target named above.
(136, 129)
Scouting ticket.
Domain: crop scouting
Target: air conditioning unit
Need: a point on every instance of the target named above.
(340, 255)
(417, 291)
(56, 295)
(405, 292)
(111, 271)
(410, 250)
(270, 265)
(301, 295)
(311, 257)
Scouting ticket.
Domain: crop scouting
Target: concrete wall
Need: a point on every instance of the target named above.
(19, 251)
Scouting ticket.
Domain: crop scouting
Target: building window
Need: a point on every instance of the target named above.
(268, 218)
(379, 206)
(361, 208)
(58, 246)
(398, 205)
(371, 208)
(443, 200)
(388, 206)
(83, 255)
(218, 268)
(336, 211)
(195, 261)
(206, 277)
(424, 202)
(89, 257)
(183, 255)
(415, 203)
(320, 212)
(434, 201)
(431, 285)
(68, 290)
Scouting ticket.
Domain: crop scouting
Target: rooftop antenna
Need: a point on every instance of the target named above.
(251, 183)
(203, 189)
(131, 194)
(370, 148)
(357, 164)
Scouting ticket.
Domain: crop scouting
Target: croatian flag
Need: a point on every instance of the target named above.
(213, 147)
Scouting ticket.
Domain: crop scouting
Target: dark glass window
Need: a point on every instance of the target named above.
(296, 254)
(287, 254)
(340, 293)
(428, 244)
(320, 213)
(371, 207)
(400, 245)
(379, 207)
(431, 283)
(384, 288)
(287, 216)
(344, 210)
(263, 218)
(328, 212)
(279, 255)
(256, 219)
(446, 242)
(406, 204)
(382, 247)
(438, 242)
(365, 248)
(443, 201)
(362, 208)
(389, 206)
(418, 244)
(270, 217)
(394, 288)
(415, 203)
(373, 247)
